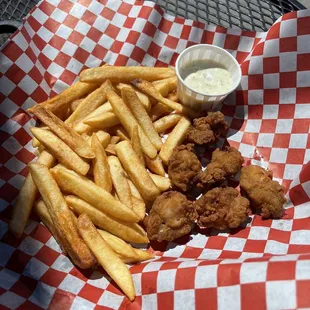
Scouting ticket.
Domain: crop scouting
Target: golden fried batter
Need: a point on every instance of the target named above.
(171, 217)
(264, 194)
(207, 130)
(223, 164)
(221, 208)
(184, 167)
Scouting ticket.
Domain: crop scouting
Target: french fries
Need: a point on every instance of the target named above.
(155, 165)
(138, 206)
(173, 96)
(134, 190)
(60, 214)
(130, 232)
(41, 211)
(102, 121)
(158, 110)
(80, 127)
(63, 100)
(128, 121)
(60, 150)
(26, 198)
(141, 256)
(125, 74)
(101, 170)
(136, 144)
(74, 104)
(166, 86)
(106, 257)
(102, 136)
(101, 148)
(166, 122)
(175, 138)
(136, 171)
(90, 103)
(132, 101)
(120, 181)
(64, 132)
(111, 146)
(161, 182)
(120, 131)
(145, 100)
(118, 245)
(93, 194)
(150, 90)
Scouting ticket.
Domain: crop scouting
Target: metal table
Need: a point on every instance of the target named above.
(256, 15)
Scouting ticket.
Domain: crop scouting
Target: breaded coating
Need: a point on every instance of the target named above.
(207, 130)
(171, 217)
(222, 208)
(184, 167)
(223, 164)
(264, 194)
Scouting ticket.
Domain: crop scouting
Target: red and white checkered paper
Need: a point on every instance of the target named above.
(264, 265)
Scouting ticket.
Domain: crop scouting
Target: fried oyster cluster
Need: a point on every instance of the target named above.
(221, 207)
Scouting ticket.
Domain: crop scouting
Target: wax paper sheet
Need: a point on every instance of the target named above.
(263, 265)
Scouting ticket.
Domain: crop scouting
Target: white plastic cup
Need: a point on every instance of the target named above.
(199, 101)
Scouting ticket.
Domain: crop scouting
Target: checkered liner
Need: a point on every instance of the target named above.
(264, 265)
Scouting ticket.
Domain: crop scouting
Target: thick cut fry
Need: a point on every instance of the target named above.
(61, 150)
(145, 100)
(120, 182)
(90, 103)
(130, 232)
(64, 132)
(128, 121)
(41, 210)
(93, 194)
(155, 165)
(35, 142)
(138, 206)
(118, 245)
(125, 74)
(134, 190)
(149, 89)
(26, 198)
(166, 122)
(136, 171)
(103, 137)
(101, 170)
(166, 86)
(81, 127)
(136, 144)
(120, 131)
(162, 183)
(61, 217)
(158, 110)
(74, 104)
(175, 138)
(63, 100)
(111, 147)
(102, 121)
(106, 257)
(141, 256)
(132, 101)
(173, 96)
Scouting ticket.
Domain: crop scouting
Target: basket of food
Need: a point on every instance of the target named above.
(149, 161)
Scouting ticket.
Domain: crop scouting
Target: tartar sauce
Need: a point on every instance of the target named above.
(208, 77)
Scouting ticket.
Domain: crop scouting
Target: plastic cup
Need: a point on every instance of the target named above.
(199, 101)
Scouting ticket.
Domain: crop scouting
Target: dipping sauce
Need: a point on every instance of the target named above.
(207, 77)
